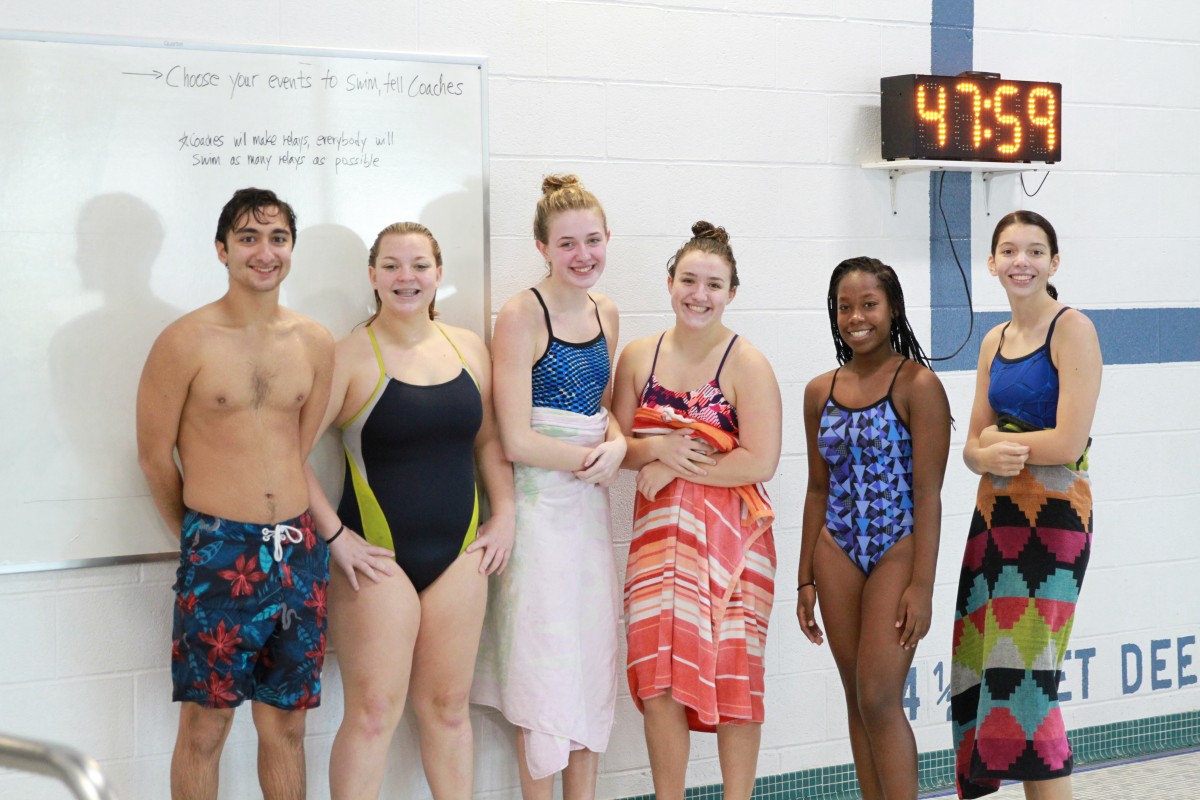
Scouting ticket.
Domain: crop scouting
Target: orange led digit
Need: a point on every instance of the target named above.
(1002, 91)
(1043, 121)
(966, 87)
(931, 116)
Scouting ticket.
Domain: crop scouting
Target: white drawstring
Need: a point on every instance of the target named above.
(279, 533)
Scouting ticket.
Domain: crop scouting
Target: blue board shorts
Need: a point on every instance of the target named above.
(250, 613)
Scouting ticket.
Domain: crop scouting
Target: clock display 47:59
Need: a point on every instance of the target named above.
(970, 118)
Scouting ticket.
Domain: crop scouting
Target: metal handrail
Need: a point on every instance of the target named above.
(79, 772)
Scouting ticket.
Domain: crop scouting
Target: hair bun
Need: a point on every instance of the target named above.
(552, 183)
(706, 230)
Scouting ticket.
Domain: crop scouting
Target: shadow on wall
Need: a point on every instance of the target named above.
(329, 283)
(463, 296)
(96, 359)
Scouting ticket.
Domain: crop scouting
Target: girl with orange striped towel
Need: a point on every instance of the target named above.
(700, 579)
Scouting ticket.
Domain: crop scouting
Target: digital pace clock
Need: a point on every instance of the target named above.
(970, 117)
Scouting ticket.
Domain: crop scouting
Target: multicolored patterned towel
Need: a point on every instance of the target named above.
(1025, 559)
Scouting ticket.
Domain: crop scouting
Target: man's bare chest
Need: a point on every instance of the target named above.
(267, 374)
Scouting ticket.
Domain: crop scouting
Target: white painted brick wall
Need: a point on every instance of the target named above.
(755, 115)
(30, 653)
(714, 124)
(522, 103)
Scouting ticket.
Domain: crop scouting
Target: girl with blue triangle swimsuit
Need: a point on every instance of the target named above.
(878, 433)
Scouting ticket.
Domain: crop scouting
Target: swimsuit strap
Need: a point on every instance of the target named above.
(1000, 346)
(458, 352)
(545, 310)
(832, 383)
(654, 363)
(378, 353)
(596, 308)
(717, 377)
(1054, 322)
(1049, 331)
(657, 347)
(378, 384)
(896, 375)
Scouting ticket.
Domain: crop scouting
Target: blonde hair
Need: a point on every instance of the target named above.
(562, 193)
(711, 239)
(402, 228)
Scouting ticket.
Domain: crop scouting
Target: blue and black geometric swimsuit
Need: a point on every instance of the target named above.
(869, 453)
(571, 376)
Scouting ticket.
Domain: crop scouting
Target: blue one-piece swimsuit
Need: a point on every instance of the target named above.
(571, 376)
(1026, 388)
(869, 453)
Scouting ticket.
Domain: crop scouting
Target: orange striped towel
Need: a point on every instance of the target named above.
(756, 505)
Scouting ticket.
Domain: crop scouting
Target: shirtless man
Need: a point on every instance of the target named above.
(238, 387)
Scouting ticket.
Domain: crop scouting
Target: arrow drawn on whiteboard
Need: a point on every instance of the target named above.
(155, 74)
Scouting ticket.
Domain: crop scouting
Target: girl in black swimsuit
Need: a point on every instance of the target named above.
(413, 400)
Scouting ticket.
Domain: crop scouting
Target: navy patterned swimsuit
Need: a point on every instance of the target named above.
(706, 404)
(571, 376)
(869, 453)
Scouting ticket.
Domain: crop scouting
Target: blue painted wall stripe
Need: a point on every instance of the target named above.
(952, 50)
(953, 31)
(1127, 335)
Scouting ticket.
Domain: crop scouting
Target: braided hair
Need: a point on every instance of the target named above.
(903, 340)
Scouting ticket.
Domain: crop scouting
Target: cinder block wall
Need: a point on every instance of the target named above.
(754, 114)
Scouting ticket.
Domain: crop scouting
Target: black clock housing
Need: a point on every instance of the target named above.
(970, 117)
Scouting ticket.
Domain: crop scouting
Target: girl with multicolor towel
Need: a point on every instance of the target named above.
(878, 433)
(704, 411)
(548, 657)
(1035, 396)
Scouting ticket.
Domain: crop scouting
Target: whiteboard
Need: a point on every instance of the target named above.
(116, 157)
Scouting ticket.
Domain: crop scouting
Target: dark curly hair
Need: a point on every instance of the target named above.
(252, 201)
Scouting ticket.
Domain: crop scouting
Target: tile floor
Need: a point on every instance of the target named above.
(1171, 776)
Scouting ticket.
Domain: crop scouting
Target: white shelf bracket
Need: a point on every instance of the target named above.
(987, 192)
(987, 169)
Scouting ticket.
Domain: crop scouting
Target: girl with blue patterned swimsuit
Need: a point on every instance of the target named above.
(878, 433)
(548, 656)
(1036, 388)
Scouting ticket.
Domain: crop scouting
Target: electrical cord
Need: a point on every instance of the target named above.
(961, 271)
(1040, 185)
